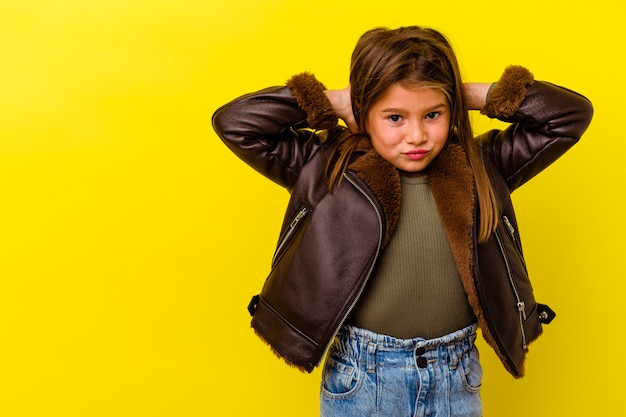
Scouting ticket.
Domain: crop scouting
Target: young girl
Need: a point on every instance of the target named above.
(399, 238)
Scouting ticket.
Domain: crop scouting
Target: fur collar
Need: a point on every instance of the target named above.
(452, 186)
(450, 178)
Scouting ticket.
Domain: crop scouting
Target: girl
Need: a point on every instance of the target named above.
(399, 238)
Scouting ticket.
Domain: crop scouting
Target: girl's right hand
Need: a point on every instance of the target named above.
(342, 106)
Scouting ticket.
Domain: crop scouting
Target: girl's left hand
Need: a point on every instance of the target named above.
(342, 106)
(476, 95)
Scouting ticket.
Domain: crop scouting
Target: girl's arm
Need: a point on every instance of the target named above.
(267, 128)
(546, 120)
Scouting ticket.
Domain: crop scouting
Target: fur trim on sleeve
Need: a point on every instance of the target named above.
(309, 93)
(506, 96)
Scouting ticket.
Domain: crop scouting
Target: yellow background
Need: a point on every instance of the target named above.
(131, 240)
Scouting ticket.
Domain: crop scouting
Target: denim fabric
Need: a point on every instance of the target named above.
(368, 374)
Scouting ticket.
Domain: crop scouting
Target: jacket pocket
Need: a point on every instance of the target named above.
(514, 237)
(290, 232)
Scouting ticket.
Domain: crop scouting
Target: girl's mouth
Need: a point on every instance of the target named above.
(416, 154)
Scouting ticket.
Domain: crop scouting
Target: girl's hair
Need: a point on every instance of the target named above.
(413, 57)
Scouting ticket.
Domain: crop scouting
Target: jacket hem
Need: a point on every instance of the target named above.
(286, 342)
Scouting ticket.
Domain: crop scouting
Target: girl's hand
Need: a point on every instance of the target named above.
(476, 95)
(342, 106)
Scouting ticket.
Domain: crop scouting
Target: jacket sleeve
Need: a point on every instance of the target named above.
(271, 129)
(546, 120)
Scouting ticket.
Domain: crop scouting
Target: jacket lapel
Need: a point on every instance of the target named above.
(452, 185)
(383, 179)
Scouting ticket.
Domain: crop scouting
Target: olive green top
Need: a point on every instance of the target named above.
(415, 289)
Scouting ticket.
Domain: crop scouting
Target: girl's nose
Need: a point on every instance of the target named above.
(416, 135)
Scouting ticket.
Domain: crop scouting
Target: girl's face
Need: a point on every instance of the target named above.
(409, 127)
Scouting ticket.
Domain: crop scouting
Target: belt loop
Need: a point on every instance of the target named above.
(371, 356)
(454, 354)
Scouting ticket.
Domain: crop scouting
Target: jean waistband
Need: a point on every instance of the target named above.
(366, 337)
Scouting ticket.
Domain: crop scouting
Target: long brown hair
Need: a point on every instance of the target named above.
(412, 56)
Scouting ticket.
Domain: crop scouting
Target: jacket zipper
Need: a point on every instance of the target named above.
(511, 229)
(509, 226)
(371, 268)
(521, 306)
(293, 226)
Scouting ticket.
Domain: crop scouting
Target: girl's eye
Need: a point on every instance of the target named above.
(432, 115)
(395, 118)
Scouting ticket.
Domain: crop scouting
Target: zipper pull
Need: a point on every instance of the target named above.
(290, 230)
(521, 307)
(298, 217)
(509, 225)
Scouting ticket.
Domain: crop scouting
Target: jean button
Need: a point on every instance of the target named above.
(420, 351)
(422, 362)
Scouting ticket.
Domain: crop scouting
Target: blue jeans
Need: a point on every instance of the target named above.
(369, 374)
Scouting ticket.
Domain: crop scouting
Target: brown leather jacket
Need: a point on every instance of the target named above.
(329, 243)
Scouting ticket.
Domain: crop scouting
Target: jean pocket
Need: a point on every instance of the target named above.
(471, 371)
(340, 377)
